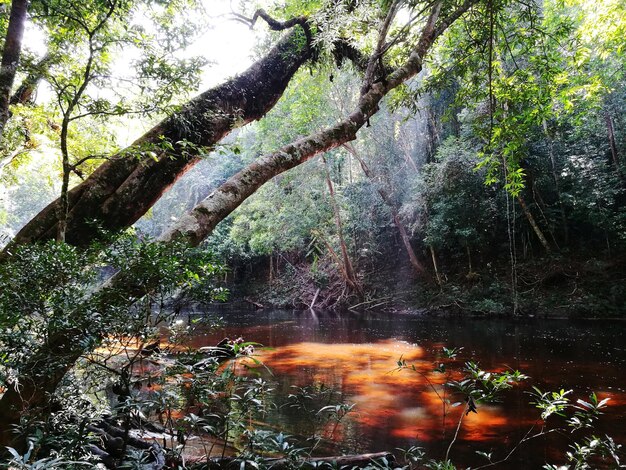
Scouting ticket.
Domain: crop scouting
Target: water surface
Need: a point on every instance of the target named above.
(357, 354)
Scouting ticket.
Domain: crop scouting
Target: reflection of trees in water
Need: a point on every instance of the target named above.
(354, 355)
(391, 407)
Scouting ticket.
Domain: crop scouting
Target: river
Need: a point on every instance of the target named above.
(356, 355)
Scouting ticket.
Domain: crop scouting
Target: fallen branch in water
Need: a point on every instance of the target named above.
(382, 300)
(112, 439)
(359, 460)
(317, 292)
(256, 305)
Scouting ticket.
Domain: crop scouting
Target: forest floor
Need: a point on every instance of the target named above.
(549, 287)
(556, 286)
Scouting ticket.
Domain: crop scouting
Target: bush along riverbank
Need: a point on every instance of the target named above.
(555, 286)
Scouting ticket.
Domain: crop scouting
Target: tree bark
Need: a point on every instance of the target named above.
(534, 225)
(613, 146)
(11, 56)
(433, 134)
(121, 190)
(348, 269)
(417, 266)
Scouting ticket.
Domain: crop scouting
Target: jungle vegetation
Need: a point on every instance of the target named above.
(461, 156)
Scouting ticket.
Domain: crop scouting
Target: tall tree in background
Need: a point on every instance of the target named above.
(11, 56)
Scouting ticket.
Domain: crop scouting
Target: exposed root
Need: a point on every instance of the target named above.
(343, 461)
(115, 440)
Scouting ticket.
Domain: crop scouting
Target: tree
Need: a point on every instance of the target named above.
(11, 56)
(114, 188)
(417, 266)
(116, 193)
(129, 183)
(460, 212)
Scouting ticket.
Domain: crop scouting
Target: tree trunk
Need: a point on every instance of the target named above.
(197, 224)
(65, 181)
(11, 56)
(540, 204)
(270, 276)
(348, 269)
(613, 145)
(406, 149)
(432, 134)
(435, 267)
(121, 190)
(557, 184)
(533, 224)
(417, 266)
(337, 260)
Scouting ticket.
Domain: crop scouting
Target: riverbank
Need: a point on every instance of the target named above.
(555, 287)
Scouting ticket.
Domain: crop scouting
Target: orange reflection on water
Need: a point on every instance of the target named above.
(405, 403)
(615, 399)
(114, 346)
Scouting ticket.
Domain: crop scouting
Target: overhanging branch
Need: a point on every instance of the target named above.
(343, 49)
(199, 223)
(275, 24)
(125, 187)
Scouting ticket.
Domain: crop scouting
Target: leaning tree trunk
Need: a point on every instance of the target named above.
(534, 225)
(348, 270)
(200, 222)
(121, 190)
(58, 357)
(417, 266)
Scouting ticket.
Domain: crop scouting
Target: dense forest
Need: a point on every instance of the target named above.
(432, 158)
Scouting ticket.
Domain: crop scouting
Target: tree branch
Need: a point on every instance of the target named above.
(199, 223)
(375, 61)
(124, 188)
(275, 24)
(343, 49)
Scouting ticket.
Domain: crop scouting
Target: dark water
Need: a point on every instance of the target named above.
(357, 354)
